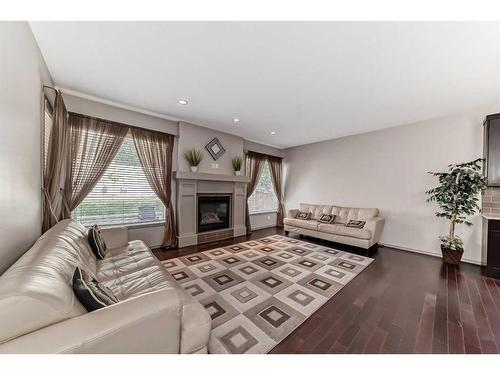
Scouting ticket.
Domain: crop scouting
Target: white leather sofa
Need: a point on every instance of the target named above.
(366, 237)
(39, 312)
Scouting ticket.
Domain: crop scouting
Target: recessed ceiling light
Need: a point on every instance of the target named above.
(236, 119)
(273, 132)
(182, 101)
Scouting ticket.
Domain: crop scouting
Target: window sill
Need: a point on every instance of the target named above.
(136, 226)
(263, 212)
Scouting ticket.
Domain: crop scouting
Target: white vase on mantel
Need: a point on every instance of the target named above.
(237, 173)
(194, 168)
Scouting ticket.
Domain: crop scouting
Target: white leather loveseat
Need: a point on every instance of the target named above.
(365, 237)
(39, 312)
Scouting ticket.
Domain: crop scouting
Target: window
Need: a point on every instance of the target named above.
(263, 198)
(123, 195)
(47, 128)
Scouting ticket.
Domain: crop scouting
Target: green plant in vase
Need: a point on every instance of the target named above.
(194, 158)
(237, 161)
(457, 196)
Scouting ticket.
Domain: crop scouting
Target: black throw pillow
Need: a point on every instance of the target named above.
(326, 218)
(303, 215)
(356, 224)
(97, 242)
(91, 294)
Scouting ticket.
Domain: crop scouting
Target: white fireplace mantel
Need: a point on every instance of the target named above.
(189, 186)
(184, 175)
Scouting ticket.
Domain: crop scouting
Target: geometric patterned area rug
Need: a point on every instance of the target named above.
(257, 292)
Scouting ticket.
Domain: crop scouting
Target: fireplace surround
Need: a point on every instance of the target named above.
(190, 188)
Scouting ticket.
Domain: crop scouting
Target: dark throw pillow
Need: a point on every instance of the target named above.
(356, 224)
(326, 218)
(97, 242)
(90, 293)
(303, 215)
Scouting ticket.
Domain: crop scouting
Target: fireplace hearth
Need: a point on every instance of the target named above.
(214, 212)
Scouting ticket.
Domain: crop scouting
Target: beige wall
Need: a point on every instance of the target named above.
(193, 136)
(22, 74)
(263, 220)
(387, 169)
(97, 109)
(263, 149)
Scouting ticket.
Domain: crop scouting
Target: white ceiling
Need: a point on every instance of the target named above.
(308, 81)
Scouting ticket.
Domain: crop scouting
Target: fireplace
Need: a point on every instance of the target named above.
(214, 212)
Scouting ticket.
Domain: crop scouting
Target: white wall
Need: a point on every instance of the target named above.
(387, 169)
(22, 75)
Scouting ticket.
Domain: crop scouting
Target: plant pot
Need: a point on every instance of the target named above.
(451, 256)
(193, 169)
(237, 173)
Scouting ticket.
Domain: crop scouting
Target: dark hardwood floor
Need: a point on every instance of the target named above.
(402, 303)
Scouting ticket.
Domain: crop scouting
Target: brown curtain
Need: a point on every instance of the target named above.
(155, 154)
(275, 167)
(54, 165)
(93, 144)
(254, 164)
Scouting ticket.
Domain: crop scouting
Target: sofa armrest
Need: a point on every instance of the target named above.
(292, 213)
(115, 237)
(375, 226)
(150, 323)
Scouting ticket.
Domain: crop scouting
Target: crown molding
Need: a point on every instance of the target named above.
(112, 103)
(127, 107)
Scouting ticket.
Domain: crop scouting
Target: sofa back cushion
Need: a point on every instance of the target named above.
(36, 291)
(316, 210)
(344, 214)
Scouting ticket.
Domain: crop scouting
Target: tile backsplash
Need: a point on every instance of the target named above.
(490, 203)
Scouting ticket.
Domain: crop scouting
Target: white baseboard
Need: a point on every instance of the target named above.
(466, 260)
(264, 227)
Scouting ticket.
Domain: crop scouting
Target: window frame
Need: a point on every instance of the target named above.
(126, 225)
(267, 210)
(46, 109)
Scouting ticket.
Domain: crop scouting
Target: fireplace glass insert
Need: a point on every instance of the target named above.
(214, 212)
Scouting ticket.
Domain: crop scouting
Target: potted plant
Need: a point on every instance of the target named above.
(457, 196)
(194, 158)
(237, 161)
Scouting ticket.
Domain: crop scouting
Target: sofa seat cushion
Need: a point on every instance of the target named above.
(140, 282)
(196, 322)
(342, 230)
(125, 260)
(299, 223)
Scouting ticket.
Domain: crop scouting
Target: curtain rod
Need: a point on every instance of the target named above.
(50, 87)
(119, 123)
(266, 155)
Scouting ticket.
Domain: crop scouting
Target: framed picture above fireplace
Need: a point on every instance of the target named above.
(215, 149)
